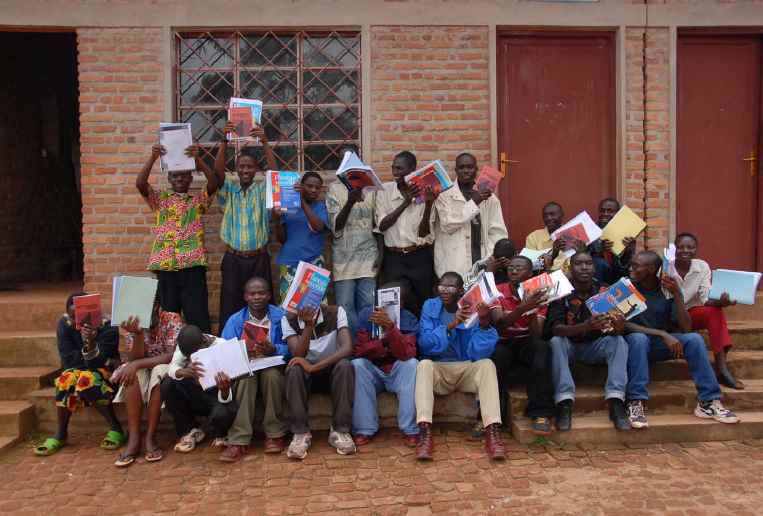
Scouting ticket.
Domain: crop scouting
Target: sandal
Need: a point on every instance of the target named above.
(124, 460)
(113, 440)
(154, 455)
(49, 447)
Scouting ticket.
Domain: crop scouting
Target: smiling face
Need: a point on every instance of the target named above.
(552, 217)
(641, 268)
(450, 290)
(581, 267)
(257, 295)
(180, 182)
(466, 169)
(519, 270)
(607, 210)
(246, 169)
(311, 188)
(686, 248)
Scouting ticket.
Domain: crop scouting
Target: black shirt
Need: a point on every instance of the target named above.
(70, 345)
(572, 310)
(660, 311)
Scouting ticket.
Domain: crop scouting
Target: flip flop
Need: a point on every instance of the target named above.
(49, 447)
(154, 455)
(113, 440)
(124, 460)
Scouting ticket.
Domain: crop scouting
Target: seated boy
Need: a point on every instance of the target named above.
(503, 251)
(456, 358)
(592, 339)
(610, 267)
(321, 344)
(540, 239)
(662, 333)
(185, 399)
(387, 364)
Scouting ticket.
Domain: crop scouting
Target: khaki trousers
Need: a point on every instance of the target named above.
(271, 381)
(443, 378)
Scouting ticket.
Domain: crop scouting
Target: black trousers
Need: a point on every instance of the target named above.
(416, 270)
(186, 400)
(527, 359)
(236, 271)
(185, 291)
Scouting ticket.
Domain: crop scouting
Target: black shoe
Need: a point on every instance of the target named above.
(618, 415)
(541, 426)
(726, 378)
(564, 416)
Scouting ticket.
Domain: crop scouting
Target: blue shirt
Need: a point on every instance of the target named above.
(458, 345)
(235, 327)
(302, 243)
(408, 322)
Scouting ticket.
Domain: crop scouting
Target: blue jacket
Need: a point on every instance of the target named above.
(234, 328)
(438, 344)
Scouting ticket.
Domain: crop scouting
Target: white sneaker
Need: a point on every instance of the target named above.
(299, 445)
(637, 414)
(188, 442)
(715, 410)
(343, 442)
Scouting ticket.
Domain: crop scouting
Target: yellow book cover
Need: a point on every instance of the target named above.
(625, 223)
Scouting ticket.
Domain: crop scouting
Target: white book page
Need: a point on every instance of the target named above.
(225, 357)
(257, 364)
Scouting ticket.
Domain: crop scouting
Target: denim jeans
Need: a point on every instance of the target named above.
(643, 349)
(612, 350)
(370, 381)
(354, 295)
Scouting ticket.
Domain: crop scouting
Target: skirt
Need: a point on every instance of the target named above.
(76, 388)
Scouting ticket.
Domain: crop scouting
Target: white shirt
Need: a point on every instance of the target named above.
(695, 286)
(354, 249)
(321, 347)
(405, 231)
(453, 230)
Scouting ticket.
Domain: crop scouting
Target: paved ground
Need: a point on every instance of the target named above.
(693, 479)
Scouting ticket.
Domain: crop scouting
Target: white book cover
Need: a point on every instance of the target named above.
(741, 286)
(483, 290)
(581, 227)
(534, 256)
(176, 138)
(353, 173)
(388, 299)
(560, 287)
(669, 261)
(228, 357)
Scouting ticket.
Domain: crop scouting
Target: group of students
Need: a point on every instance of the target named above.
(427, 244)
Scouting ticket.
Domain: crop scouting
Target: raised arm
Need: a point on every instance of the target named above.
(212, 181)
(141, 182)
(222, 149)
(425, 226)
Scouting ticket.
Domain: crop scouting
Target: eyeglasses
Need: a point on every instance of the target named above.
(444, 289)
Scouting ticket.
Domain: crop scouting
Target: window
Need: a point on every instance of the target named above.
(309, 83)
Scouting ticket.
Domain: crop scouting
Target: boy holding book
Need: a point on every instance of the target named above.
(178, 256)
(610, 267)
(257, 295)
(540, 239)
(245, 225)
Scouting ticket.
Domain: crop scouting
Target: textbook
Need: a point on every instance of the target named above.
(254, 334)
(307, 288)
(432, 175)
(669, 261)
(230, 357)
(354, 174)
(488, 179)
(581, 227)
(483, 290)
(279, 190)
(87, 310)
(624, 224)
(556, 285)
(245, 113)
(176, 138)
(741, 286)
(132, 296)
(388, 299)
(534, 256)
(621, 297)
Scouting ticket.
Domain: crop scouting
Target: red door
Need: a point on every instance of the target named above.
(719, 115)
(556, 101)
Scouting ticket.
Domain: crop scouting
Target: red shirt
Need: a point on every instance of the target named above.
(509, 302)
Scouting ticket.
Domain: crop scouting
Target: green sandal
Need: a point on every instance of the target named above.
(49, 447)
(113, 440)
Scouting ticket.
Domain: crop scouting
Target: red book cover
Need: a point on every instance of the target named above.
(87, 309)
(355, 179)
(488, 178)
(254, 334)
(541, 281)
(242, 117)
(576, 232)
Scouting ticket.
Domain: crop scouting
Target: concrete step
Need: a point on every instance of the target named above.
(7, 442)
(17, 382)
(28, 348)
(666, 397)
(17, 418)
(745, 335)
(662, 429)
(746, 312)
(34, 307)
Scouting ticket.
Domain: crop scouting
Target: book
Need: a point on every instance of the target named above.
(279, 190)
(230, 357)
(255, 334)
(354, 174)
(431, 175)
(621, 298)
(581, 227)
(307, 288)
(555, 285)
(488, 178)
(176, 138)
(669, 261)
(388, 299)
(87, 310)
(534, 256)
(741, 286)
(245, 113)
(483, 290)
(132, 296)
(624, 224)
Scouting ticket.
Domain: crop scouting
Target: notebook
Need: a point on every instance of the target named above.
(624, 224)
(132, 296)
(230, 357)
(741, 286)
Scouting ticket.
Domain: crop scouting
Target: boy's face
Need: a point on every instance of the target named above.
(640, 268)
(552, 217)
(257, 295)
(581, 267)
(607, 210)
(519, 270)
(449, 290)
(246, 169)
(466, 169)
(400, 167)
(311, 187)
(180, 182)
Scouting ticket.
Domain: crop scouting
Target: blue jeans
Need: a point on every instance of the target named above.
(370, 381)
(612, 350)
(354, 295)
(643, 349)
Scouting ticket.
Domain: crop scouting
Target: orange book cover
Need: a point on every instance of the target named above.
(254, 334)
(576, 232)
(242, 117)
(541, 281)
(87, 309)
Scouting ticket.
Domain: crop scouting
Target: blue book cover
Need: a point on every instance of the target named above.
(741, 286)
(307, 289)
(621, 297)
(280, 192)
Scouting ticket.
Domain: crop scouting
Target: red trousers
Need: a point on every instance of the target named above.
(711, 318)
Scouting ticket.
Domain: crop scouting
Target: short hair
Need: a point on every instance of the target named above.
(189, 339)
(456, 276)
(249, 152)
(307, 175)
(70, 299)
(525, 259)
(504, 248)
(465, 155)
(609, 199)
(408, 156)
(256, 279)
(578, 253)
(653, 257)
(550, 204)
(686, 234)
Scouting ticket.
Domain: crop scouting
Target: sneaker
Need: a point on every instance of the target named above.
(715, 410)
(637, 414)
(343, 442)
(617, 414)
(564, 415)
(541, 426)
(300, 443)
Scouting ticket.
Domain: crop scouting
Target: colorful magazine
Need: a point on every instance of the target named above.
(279, 190)
(620, 298)
(354, 174)
(87, 310)
(238, 109)
(255, 334)
(488, 179)
(581, 227)
(556, 286)
(307, 288)
(432, 175)
(483, 290)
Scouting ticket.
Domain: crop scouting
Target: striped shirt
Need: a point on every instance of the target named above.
(245, 220)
